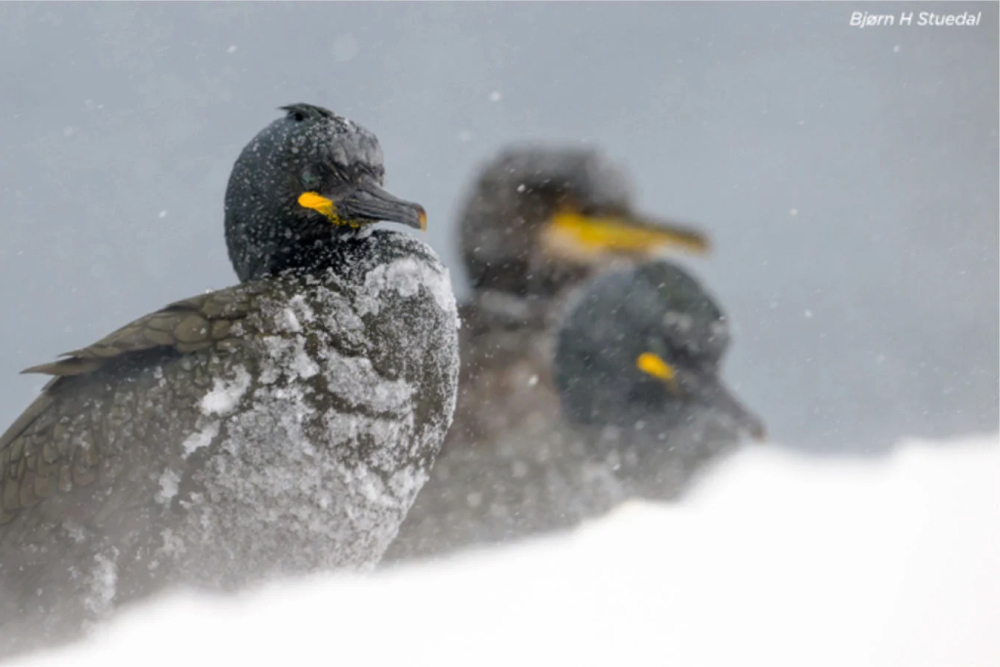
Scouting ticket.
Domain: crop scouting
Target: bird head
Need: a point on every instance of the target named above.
(539, 219)
(645, 344)
(304, 180)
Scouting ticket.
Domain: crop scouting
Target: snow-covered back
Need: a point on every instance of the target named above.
(776, 559)
(299, 448)
(327, 442)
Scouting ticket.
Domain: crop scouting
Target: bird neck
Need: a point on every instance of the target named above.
(496, 310)
(526, 278)
(307, 256)
(261, 250)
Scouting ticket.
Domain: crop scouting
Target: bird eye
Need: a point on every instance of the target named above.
(311, 178)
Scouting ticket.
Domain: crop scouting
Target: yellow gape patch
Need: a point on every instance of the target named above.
(624, 235)
(653, 364)
(318, 202)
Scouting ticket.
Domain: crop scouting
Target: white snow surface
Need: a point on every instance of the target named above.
(775, 559)
(169, 483)
(200, 438)
(406, 276)
(225, 395)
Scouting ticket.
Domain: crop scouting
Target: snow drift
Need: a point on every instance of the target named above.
(774, 559)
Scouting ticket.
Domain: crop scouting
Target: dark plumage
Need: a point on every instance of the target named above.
(611, 348)
(279, 426)
(538, 224)
(642, 410)
(641, 352)
(539, 220)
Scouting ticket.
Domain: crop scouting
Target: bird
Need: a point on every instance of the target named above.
(539, 222)
(641, 352)
(276, 427)
(642, 412)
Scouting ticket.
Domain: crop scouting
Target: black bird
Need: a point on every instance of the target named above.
(640, 354)
(280, 426)
(538, 223)
(643, 410)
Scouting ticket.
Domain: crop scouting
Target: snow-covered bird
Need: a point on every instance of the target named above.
(538, 224)
(280, 426)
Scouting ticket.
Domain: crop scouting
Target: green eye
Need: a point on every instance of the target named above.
(310, 178)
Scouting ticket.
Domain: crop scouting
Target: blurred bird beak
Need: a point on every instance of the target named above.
(366, 203)
(581, 235)
(713, 393)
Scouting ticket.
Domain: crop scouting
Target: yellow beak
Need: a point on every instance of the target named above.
(570, 232)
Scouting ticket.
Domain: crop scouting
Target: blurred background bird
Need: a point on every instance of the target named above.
(280, 426)
(538, 224)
